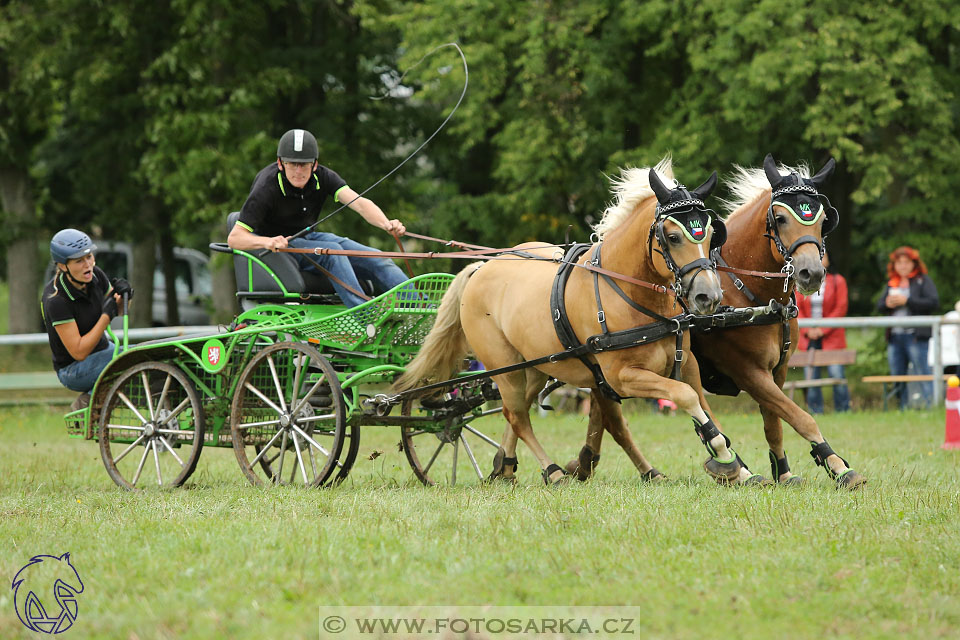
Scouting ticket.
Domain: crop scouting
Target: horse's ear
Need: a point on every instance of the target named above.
(662, 192)
(770, 168)
(824, 174)
(706, 188)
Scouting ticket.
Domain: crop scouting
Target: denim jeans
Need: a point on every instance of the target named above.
(903, 350)
(82, 375)
(841, 394)
(382, 271)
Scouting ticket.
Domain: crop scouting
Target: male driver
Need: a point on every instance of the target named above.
(287, 197)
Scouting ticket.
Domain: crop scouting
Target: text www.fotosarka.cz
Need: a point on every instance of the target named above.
(498, 622)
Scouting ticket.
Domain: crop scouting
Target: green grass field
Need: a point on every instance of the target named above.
(221, 559)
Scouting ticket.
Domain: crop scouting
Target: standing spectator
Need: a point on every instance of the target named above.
(909, 292)
(829, 302)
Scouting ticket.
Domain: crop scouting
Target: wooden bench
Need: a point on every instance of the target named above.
(893, 381)
(818, 358)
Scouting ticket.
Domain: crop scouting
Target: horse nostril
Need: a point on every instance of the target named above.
(703, 300)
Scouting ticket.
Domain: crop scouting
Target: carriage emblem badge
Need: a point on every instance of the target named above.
(213, 355)
(45, 593)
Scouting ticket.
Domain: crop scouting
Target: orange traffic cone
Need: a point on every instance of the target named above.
(951, 439)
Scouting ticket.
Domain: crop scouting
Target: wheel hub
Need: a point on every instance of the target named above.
(150, 430)
(285, 420)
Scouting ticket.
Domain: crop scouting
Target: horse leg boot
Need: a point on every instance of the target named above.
(616, 424)
(690, 373)
(779, 466)
(505, 460)
(583, 466)
(722, 465)
(771, 398)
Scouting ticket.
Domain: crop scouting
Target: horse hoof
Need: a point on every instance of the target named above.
(552, 469)
(722, 472)
(851, 481)
(653, 476)
(575, 470)
(501, 479)
(756, 480)
(792, 481)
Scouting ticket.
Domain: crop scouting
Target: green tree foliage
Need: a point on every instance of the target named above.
(184, 101)
(562, 92)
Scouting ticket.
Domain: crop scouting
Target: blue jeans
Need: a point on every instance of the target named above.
(903, 350)
(382, 271)
(841, 394)
(82, 374)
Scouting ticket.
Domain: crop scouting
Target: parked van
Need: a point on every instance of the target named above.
(193, 284)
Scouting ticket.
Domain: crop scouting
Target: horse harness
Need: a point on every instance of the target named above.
(607, 341)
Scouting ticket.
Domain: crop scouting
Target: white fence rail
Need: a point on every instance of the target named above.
(934, 322)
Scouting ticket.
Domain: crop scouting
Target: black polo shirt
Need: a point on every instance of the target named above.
(62, 302)
(277, 208)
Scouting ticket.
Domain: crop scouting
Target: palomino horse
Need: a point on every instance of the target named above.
(784, 205)
(501, 311)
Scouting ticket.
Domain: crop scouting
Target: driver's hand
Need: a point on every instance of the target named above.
(275, 243)
(395, 227)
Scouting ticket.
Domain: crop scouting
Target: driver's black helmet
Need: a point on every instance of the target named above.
(297, 145)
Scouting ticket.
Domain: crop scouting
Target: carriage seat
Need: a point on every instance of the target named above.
(258, 284)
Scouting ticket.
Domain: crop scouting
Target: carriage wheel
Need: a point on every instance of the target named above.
(445, 457)
(151, 427)
(288, 417)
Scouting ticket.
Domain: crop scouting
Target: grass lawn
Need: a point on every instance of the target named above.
(221, 559)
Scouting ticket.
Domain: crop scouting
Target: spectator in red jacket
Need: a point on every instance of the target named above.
(829, 302)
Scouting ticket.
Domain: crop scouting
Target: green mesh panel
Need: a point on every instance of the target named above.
(400, 317)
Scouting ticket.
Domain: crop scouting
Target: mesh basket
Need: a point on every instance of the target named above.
(411, 305)
(76, 423)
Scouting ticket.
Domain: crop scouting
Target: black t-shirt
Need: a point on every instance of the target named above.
(277, 208)
(62, 302)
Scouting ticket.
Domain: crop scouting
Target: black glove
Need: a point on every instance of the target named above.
(122, 287)
(110, 306)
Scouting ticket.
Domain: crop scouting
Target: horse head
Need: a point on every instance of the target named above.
(687, 233)
(798, 219)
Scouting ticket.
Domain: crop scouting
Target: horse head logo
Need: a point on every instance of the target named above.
(45, 593)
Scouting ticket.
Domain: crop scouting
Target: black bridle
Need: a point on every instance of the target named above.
(829, 213)
(698, 266)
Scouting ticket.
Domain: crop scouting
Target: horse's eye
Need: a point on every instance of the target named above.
(781, 220)
(673, 238)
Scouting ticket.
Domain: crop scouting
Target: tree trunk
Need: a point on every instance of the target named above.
(23, 257)
(169, 268)
(144, 264)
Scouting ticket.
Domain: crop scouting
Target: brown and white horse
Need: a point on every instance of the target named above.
(500, 311)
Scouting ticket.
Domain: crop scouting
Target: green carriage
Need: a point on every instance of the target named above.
(288, 385)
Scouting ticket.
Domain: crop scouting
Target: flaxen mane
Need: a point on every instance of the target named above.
(748, 184)
(631, 188)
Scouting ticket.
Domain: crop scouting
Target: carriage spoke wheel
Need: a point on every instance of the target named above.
(448, 457)
(151, 427)
(288, 417)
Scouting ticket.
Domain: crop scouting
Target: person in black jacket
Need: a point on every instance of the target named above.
(910, 292)
(77, 305)
(286, 198)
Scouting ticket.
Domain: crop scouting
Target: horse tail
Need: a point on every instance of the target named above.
(446, 345)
